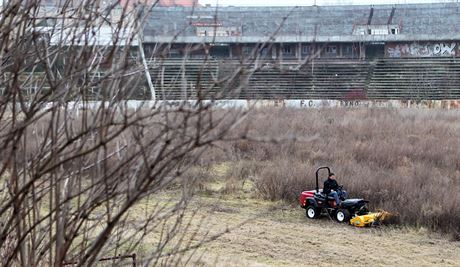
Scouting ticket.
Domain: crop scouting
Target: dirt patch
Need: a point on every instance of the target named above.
(282, 235)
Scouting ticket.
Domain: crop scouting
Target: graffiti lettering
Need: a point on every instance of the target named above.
(394, 52)
(449, 49)
(421, 50)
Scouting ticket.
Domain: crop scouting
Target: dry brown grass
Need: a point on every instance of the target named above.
(255, 232)
(404, 161)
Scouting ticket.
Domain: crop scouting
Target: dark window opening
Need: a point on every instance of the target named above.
(331, 49)
(247, 50)
(287, 50)
(264, 51)
(348, 49)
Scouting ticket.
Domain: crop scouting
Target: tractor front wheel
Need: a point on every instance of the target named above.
(342, 215)
(312, 212)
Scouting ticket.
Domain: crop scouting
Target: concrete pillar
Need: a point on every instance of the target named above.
(280, 52)
(316, 50)
(362, 51)
(299, 52)
(274, 51)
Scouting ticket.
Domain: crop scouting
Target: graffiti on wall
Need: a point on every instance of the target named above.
(442, 49)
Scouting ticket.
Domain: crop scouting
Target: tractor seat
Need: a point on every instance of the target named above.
(322, 196)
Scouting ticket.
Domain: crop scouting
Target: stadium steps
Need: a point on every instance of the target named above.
(416, 78)
(323, 79)
(179, 79)
(176, 79)
(384, 79)
(36, 85)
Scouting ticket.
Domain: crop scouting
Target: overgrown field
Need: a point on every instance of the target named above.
(403, 161)
(128, 178)
(256, 232)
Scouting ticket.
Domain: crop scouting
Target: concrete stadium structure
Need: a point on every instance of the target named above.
(381, 52)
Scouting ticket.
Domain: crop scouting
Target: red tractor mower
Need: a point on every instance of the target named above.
(353, 210)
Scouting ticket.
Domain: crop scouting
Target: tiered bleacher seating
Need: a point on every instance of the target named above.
(175, 79)
(184, 79)
(383, 79)
(389, 78)
(416, 78)
(316, 80)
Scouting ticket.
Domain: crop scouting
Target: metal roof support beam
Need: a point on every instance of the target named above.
(390, 19)
(371, 14)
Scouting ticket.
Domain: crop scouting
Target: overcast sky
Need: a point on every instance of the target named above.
(311, 2)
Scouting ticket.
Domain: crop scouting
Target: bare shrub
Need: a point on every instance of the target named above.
(238, 174)
(280, 179)
(196, 178)
(76, 157)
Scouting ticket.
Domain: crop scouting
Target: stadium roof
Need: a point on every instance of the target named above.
(439, 21)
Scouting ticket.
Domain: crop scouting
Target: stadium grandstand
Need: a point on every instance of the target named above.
(379, 52)
(402, 52)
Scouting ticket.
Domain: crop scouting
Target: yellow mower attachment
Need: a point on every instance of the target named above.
(369, 219)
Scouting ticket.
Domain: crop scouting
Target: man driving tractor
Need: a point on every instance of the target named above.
(332, 189)
(334, 201)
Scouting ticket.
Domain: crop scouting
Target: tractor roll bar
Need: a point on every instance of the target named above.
(317, 176)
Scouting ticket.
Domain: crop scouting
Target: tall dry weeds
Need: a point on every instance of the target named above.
(403, 161)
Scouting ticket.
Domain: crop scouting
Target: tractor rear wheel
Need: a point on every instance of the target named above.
(342, 215)
(312, 212)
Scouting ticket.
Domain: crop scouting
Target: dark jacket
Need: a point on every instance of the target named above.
(329, 185)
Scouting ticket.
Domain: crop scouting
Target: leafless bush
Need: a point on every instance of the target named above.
(279, 179)
(239, 173)
(197, 177)
(72, 169)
